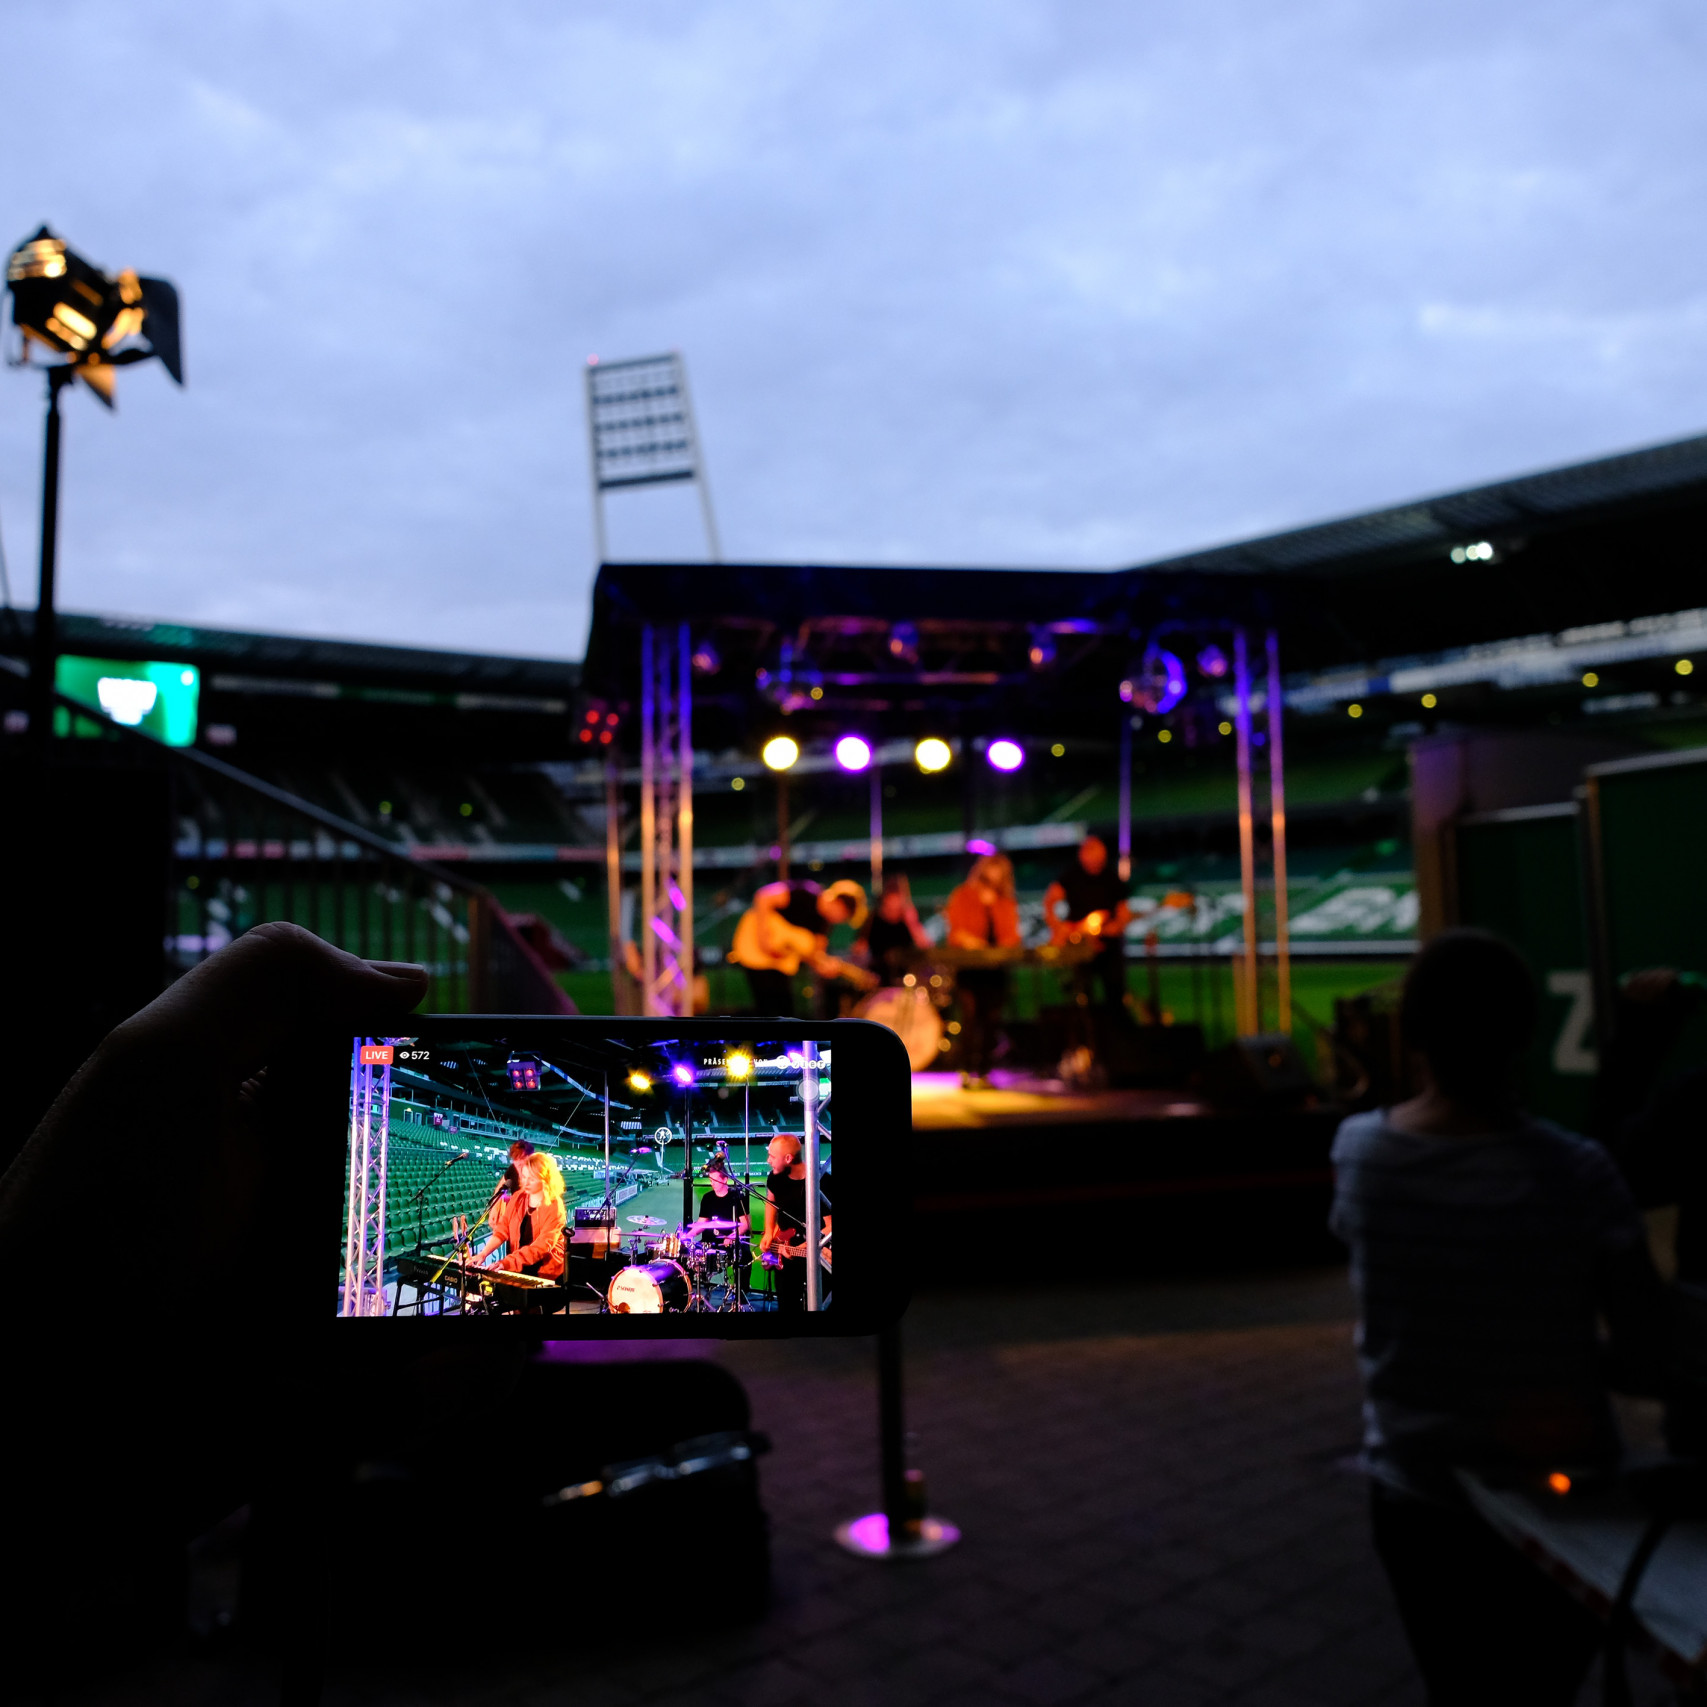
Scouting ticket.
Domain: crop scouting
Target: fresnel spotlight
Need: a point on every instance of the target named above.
(84, 324)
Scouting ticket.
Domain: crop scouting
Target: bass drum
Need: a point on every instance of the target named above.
(650, 1289)
(912, 1016)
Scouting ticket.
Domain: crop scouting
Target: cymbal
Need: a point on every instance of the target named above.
(711, 1226)
(647, 1220)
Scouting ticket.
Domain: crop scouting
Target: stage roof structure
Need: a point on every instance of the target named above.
(1561, 550)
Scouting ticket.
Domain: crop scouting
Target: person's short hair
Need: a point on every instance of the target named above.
(717, 1166)
(520, 1149)
(795, 1146)
(1469, 1010)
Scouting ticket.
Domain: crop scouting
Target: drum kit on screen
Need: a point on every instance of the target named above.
(702, 1266)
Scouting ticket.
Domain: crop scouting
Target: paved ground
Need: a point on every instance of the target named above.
(1156, 1507)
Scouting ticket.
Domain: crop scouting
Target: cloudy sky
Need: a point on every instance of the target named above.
(1006, 282)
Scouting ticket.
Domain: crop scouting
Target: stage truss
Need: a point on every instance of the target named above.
(364, 1226)
(665, 925)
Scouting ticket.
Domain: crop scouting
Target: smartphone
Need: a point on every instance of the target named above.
(619, 1178)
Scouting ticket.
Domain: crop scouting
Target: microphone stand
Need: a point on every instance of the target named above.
(421, 1205)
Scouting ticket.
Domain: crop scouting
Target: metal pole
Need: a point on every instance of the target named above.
(876, 831)
(648, 822)
(814, 1217)
(1248, 1015)
(607, 1145)
(1125, 866)
(687, 1157)
(684, 821)
(699, 478)
(613, 880)
(44, 646)
(599, 546)
(1277, 818)
(892, 1431)
(782, 826)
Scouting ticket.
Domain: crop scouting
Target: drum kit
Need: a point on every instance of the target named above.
(701, 1266)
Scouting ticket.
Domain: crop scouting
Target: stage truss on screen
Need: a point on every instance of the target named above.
(666, 820)
(641, 432)
(364, 1227)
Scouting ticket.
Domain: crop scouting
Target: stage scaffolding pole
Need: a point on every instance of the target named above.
(620, 1002)
(648, 821)
(876, 831)
(1125, 866)
(685, 808)
(1277, 818)
(666, 821)
(607, 1146)
(1248, 1014)
(814, 1217)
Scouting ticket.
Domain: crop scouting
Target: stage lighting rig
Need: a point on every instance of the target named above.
(85, 324)
(780, 752)
(932, 755)
(853, 752)
(1158, 683)
(1004, 754)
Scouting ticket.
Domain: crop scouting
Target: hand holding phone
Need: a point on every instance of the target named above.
(627, 1166)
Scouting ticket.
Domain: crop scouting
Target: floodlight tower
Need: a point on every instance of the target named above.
(86, 323)
(641, 432)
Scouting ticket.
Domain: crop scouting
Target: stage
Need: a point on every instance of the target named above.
(1059, 1179)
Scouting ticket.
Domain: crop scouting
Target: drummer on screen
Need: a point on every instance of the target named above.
(723, 1199)
(1093, 896)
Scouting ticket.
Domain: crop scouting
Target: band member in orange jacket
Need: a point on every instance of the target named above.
(537, 1243)
(982, 913)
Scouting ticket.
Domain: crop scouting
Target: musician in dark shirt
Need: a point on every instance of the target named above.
(893, 934)
(785, 1220)
(1095, 909)
(723, 1199)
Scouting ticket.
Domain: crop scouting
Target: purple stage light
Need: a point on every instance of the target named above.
(853, 752)
(1005, 755)
(1212, 661)
(977, 845)
(682, 1073)
(1157, 685)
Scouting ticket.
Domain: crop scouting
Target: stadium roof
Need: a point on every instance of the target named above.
(245, 662)
(1639, 479)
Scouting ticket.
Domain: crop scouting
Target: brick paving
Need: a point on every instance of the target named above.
(1157, 1510)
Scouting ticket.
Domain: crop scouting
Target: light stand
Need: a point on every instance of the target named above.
(903, 1529)
(44, 646)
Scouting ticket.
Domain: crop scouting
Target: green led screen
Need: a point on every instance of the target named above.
(160, 699)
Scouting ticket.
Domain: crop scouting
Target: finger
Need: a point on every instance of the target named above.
(275, 980)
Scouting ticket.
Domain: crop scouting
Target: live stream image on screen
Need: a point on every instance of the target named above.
(591, 1178)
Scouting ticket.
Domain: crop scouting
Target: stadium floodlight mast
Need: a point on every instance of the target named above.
(641, 432)
(79, 323)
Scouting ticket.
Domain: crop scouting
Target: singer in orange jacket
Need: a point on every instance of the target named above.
(536, 1239)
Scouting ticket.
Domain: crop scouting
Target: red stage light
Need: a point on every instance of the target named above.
(604, 738)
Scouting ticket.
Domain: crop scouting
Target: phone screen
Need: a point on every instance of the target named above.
(588, 1175)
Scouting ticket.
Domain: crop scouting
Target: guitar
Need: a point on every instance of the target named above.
(1093, 926)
